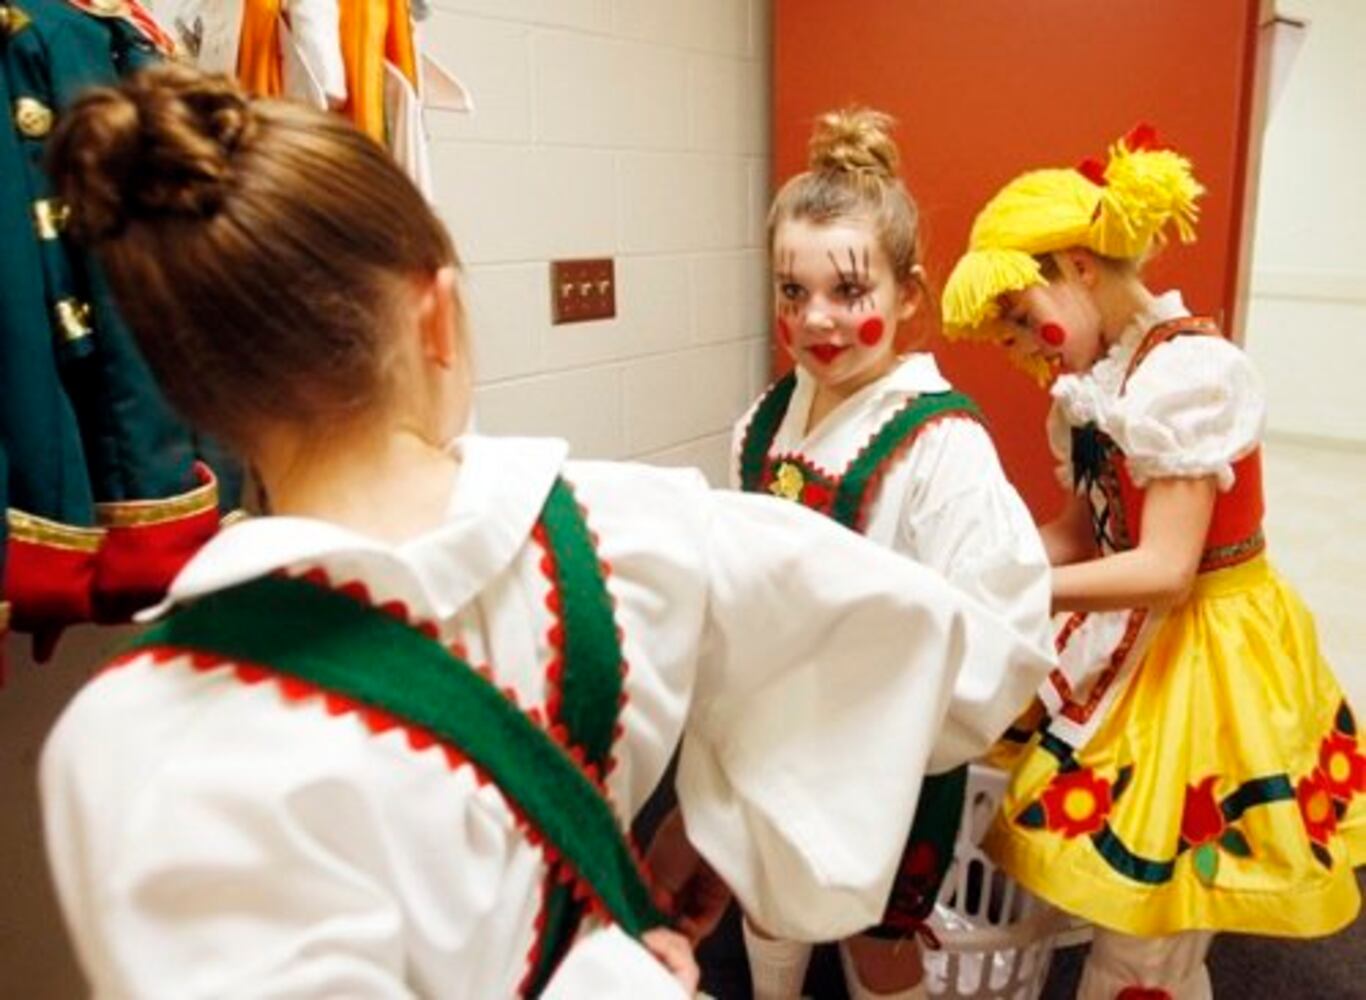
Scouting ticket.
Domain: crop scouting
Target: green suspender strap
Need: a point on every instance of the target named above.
(846, 499)
(761, 432)
(299, 630)
(865, 473)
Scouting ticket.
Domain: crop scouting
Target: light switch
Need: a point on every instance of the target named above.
(582, 290)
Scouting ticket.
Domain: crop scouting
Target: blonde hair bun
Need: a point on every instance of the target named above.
(856, 141)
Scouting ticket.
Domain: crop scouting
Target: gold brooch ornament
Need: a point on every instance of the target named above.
(788, 482)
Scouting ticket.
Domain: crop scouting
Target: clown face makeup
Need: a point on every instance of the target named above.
(837, 302)
(1058, 323)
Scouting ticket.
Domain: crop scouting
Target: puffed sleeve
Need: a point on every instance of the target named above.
(1193, 408)
(826, 670)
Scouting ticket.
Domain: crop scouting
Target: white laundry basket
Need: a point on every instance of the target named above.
(997, 939)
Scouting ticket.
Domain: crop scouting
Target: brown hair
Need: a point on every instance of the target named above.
(1050, 271)
(852, 173)
(255, 247)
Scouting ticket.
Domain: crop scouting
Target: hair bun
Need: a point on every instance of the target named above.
(855, 140)
(159, 145)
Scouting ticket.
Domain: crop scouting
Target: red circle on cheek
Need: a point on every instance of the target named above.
(870, 333)
(1052, 334)
(784, 332)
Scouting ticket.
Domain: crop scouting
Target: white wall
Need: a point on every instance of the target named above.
(35, 958)
(637, 129)
(1307, 322)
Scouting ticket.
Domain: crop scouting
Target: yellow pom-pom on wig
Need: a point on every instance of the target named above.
(1119, 209)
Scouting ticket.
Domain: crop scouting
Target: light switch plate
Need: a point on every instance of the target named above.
(582, 290)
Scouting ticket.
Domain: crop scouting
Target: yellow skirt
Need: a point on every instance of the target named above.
(1225, 790)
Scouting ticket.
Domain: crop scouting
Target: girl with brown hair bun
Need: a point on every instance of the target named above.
(870, 434)
(385, 741)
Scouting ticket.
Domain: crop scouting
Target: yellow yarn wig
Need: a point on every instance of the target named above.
(1119, 209)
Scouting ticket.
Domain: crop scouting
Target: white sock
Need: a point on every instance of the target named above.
(857, 991)
(1175, 963)
(776, 968)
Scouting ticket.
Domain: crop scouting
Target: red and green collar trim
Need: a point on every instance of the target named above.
(847, 496)
(317, 641)
(582, 706)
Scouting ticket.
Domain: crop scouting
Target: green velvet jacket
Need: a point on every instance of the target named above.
(105, 492)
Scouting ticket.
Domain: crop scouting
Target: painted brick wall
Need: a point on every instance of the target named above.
(637, 129)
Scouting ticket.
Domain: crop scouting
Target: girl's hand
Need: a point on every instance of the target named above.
(693, 894)
(1069, 538)
(675, 954)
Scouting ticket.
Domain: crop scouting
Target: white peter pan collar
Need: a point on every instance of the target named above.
(915, 375)
(500, 490)
(1082, 397)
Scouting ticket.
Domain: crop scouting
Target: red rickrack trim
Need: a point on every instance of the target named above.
(624, 667)
(554, 680)
(298, 691)
(533, 958)
(874, 485)
(1079, 712)
(797, 458)
(360, 592)
(554, 603)
(418, 738)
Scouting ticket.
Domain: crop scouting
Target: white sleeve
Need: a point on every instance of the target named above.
(965, 521)
(607, 963)
(826, 668)
(253, 849)
(1193, 408)
(316, 28)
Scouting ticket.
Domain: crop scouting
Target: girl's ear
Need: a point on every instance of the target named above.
(909, 296)
(1080, 264)
(438, 312)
